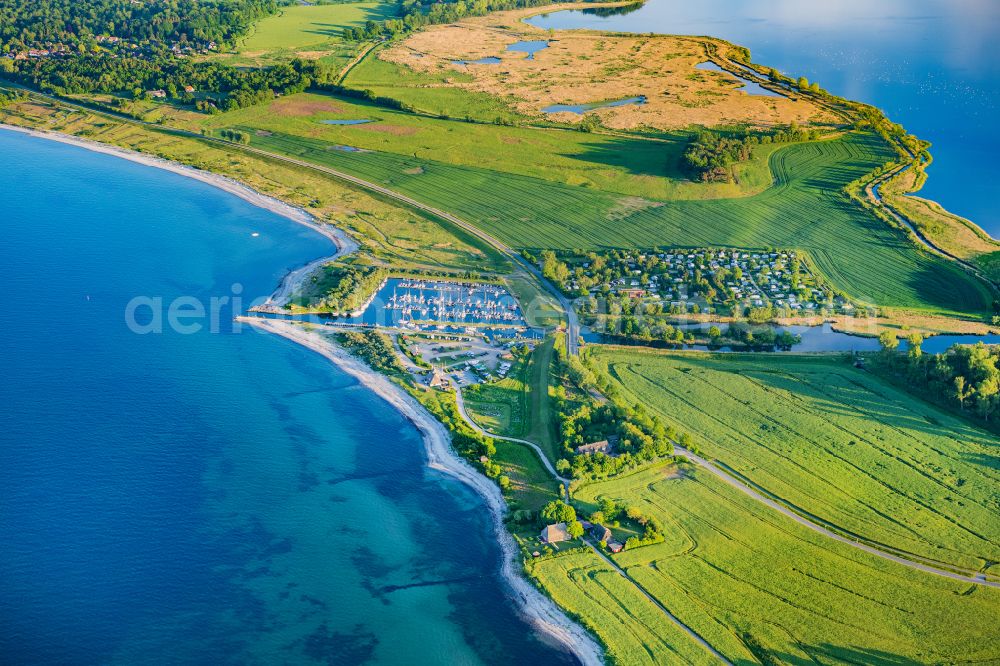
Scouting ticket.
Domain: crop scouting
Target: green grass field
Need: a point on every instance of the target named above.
(502, 406)
(533, 486)
(542, 423)
(307, 31)
(300, 27)
(805, 210)
(832, 442)
(539, 307)
(630, 166)
(631, 627)
(427, 92)
(757, 586)
(520, 406)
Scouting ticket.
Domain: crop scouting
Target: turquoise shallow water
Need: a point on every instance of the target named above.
(206, 498)
(931, 64)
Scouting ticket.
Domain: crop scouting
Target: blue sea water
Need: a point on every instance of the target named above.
(930, 64)
(207, 497)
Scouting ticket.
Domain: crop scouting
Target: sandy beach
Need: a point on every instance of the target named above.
(343, 243)
(540, 611)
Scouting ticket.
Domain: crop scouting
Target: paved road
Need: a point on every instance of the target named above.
(460, 401)
(976, 579)
(683, 627)
(572, 322)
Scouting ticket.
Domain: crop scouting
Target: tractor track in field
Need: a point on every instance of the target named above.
(715, 470)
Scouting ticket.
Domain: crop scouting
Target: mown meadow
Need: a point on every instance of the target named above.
(833, 443)
(304, 26)
(307, 31)
(762, 589)
(806, 209)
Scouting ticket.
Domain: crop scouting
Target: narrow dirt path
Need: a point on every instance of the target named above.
(460, 401)
(670, 616)
(715, 470)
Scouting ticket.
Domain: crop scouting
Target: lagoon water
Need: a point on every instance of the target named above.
(584, 108)
(206, 498)
(749, 87)
(931, 64)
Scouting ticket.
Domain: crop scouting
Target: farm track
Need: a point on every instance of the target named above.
(977, 579)
(460, 402)
(973, 538)
(670, 616)
(343, 74)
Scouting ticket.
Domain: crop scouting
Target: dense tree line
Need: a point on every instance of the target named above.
(965, 377)
(125, 47)
(344, 287)
(11, 96)
(639, 437)
(216, 87)
(710, 155)
(416, 14)
(375, 349)
(610, 514)
(871, 118)
(41, 23)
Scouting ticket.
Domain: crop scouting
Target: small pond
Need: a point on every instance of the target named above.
(583, 108)
(491, 60)
(529, 47)
(749, 87)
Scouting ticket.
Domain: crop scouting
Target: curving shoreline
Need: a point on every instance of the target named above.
(343, 243)
(540, 611)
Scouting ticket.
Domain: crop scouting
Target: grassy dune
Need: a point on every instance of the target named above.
(835, 443)
(805, 209)
(748, 580)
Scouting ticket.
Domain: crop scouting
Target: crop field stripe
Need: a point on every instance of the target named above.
(905, 461)
(805, 210)
(751, 458)
(791, 396)
(631, 626)
(902, 481)
(836, 603)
